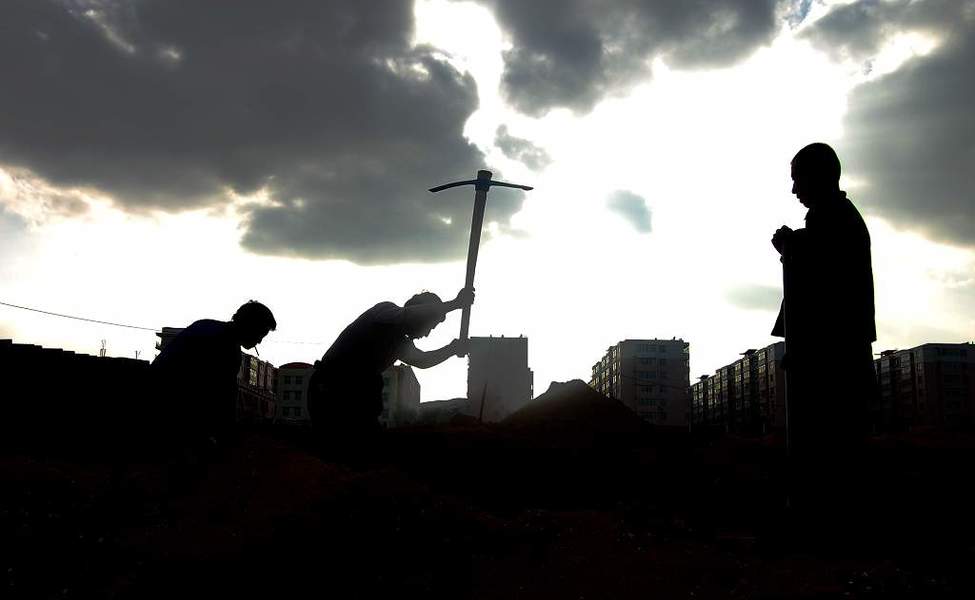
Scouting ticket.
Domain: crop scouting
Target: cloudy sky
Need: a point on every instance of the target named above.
(164, 161)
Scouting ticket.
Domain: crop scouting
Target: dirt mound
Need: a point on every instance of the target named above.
(574, 406)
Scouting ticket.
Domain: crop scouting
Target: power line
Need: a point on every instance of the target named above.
(76, 318)
(113, 324)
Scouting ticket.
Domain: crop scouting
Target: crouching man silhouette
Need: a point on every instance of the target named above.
(193, 385)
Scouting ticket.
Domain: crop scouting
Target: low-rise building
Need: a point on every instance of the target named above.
(650, 376)
(59, 395)
(292, 393)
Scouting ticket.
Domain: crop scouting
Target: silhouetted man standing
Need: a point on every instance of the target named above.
(345, 392)
(195, 375)
(827, 318)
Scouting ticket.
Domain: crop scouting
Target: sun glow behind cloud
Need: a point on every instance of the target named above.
(709, 150)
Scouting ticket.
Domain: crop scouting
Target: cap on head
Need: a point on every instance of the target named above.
(817, 162)
(253, 313)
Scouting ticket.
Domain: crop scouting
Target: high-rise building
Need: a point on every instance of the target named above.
(931, 385)
(499, 381)
(748, 395)
(650, 376)
(292, 393)
(401, 397)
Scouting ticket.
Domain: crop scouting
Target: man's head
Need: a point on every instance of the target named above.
(815, 174)
(253, 321)
(424, 329)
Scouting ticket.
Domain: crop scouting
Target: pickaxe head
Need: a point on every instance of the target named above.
(481, 185)
(483, 182)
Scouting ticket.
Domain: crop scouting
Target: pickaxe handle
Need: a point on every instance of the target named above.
(481, 186)
(480, 199)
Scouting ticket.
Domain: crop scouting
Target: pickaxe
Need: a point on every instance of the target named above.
(481, 186)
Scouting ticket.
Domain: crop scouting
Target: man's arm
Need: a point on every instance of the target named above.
(415, 357)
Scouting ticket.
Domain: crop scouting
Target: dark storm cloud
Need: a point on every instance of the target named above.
(755, 297)
(910, 134)
(167, 104)
(859, 29)
(521, 150)
(631, 207)
(571, 53)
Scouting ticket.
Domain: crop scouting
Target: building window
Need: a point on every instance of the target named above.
(297, 395)
(286, 395)
(297, 411)
(287, 379)
(299, 379)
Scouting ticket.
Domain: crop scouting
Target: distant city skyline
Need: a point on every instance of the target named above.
(151, 176)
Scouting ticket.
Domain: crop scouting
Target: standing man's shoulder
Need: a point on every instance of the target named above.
(853, 217)
(840, 215)
(846, 208)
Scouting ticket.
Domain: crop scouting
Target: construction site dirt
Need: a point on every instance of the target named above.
(570, 498)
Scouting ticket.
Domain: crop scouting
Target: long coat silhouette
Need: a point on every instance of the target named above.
(827, 318)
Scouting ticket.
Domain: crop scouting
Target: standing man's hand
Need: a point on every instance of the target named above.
(780, 237)
(464, 298)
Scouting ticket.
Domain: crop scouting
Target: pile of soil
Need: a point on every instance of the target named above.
(574, 407)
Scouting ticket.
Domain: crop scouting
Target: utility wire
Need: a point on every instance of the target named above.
(113, 324)
(63, 316)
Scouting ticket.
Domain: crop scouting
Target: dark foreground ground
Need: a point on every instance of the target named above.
(470, 512)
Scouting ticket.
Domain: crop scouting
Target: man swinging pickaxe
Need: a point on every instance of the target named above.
(481, 186)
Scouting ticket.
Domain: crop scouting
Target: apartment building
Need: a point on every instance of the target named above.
(747, 395)
(256, 384)
(931, 385)
(292, 393)
(650, 376)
